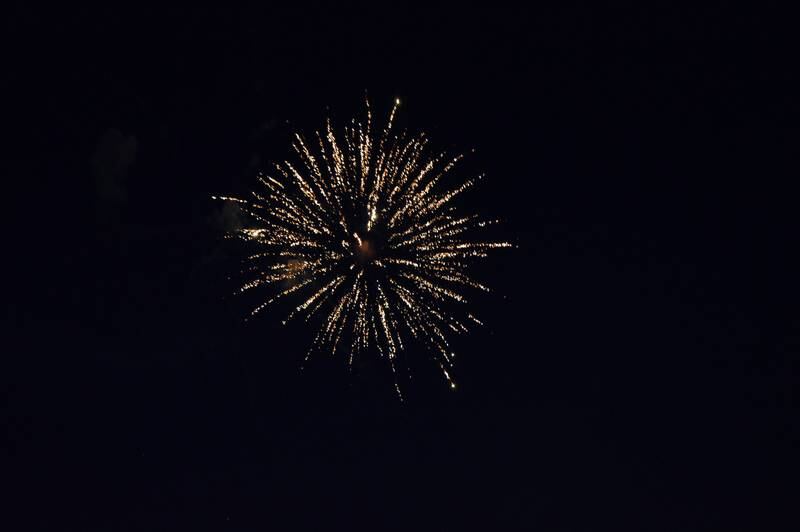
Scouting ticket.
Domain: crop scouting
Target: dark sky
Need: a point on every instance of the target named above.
(639, 368)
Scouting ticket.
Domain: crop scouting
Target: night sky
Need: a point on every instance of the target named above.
(639, 366)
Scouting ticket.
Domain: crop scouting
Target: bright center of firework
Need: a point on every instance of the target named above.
(365, 248)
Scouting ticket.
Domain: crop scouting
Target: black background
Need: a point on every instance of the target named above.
(639, 367)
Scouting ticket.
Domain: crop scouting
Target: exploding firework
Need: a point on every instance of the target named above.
(358, 229)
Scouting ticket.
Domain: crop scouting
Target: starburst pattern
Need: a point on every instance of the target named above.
(360, 231)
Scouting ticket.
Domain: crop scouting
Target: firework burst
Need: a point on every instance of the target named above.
(359, 231)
